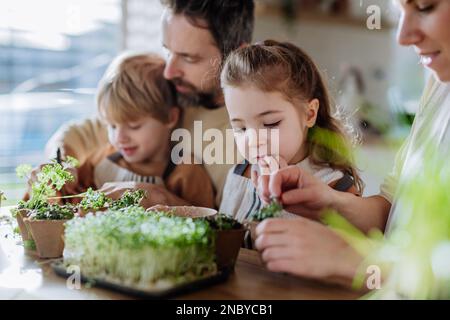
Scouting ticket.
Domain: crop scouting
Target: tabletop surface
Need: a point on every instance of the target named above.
(22, 276)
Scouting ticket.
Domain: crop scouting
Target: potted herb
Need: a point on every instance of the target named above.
(228, 241)
(39, 221)
(273, 210)
(130, 198)
(46, 225)
(93, 201)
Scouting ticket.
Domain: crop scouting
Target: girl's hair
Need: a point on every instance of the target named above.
(272, 66)
(133, 86)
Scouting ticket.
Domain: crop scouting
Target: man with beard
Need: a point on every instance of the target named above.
(197, 37)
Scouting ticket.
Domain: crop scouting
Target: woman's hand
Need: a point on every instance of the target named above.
(306, 248)
(156, 194)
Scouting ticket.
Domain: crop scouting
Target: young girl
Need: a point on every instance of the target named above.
(281, 113)
(139, 107)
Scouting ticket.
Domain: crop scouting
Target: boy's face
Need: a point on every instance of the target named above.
(252, 110)
(193, 58)
(141, 141)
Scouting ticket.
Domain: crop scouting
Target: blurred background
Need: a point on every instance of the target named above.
(53, 53)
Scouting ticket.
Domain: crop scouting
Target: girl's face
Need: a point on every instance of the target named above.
(425, 24)
(266, 124)
(141, 141)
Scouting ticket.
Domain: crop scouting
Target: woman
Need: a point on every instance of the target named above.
(308, 248)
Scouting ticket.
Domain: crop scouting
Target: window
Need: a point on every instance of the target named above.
(52, 55)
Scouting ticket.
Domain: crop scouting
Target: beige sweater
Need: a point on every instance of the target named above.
(86, 141)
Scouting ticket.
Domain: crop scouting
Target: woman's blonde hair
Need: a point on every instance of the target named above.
(133, 86)
(273, 66)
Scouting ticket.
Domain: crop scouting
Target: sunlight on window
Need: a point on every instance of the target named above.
(52, 55)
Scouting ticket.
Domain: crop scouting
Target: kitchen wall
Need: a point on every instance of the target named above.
(388, 71)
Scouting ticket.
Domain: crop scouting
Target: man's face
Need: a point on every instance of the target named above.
(193, 59)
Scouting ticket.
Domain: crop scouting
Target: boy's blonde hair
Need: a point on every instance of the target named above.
(285, 68)
(133, 86)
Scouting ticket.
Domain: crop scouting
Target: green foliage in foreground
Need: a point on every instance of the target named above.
(415, 255)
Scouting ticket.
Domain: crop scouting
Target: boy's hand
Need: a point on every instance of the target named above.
(156, 194)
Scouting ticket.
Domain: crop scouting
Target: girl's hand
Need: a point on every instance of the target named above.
(261, 172)
(306, 248)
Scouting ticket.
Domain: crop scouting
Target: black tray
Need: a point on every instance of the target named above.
(178, 289)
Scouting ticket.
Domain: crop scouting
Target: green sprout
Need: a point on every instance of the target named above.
(29, 245)
(49, 180)
(53, 212)
(129, 199)
(97, 200)
(272, 210)
(94, 200)
(414, 254)
(130, 245)
(23, 170)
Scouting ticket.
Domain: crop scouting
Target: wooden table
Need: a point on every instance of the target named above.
(24, 277)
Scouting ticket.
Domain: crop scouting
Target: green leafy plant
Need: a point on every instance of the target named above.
(97, 200)
(53, 212)
(128, 199)
(272, 210)
(94, 200)
(132, 246)
(414, 254)
(49, 180)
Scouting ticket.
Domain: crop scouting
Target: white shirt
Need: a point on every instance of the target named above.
(240, 199)
(430, 127)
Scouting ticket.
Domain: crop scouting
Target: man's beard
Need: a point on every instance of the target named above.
(196, 98)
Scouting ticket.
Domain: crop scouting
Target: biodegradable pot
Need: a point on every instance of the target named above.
(186, 211)
(48, 236)
(228, 244)
(24, 231)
